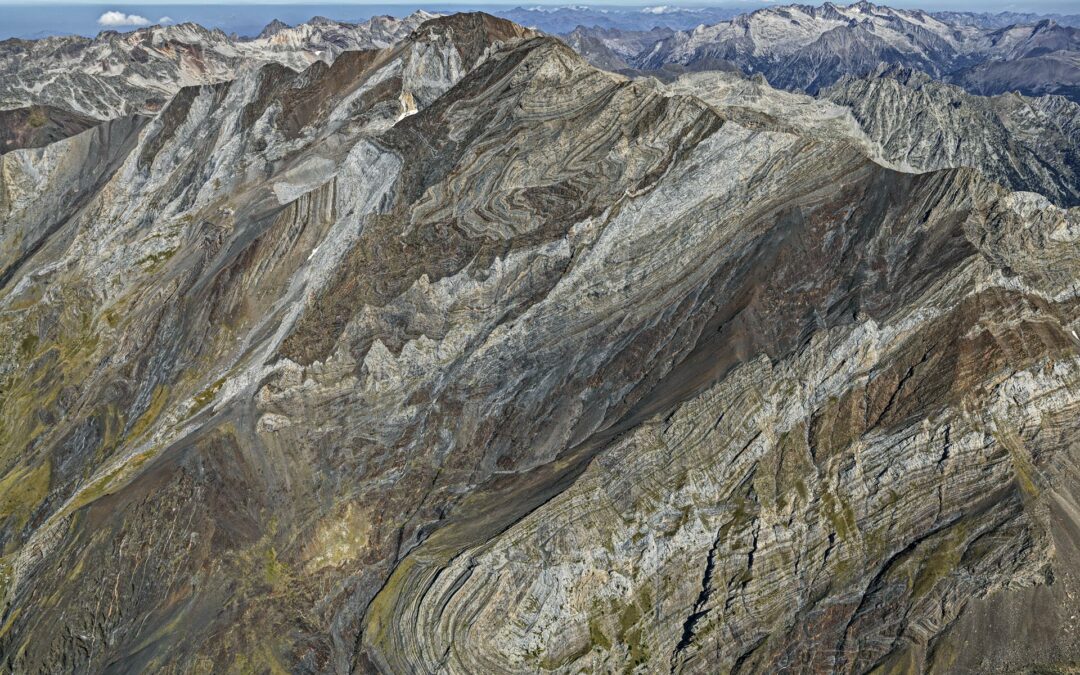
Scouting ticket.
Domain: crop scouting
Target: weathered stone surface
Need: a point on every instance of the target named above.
(905, 120)
(462, 355)
(117, 74)
(1024, 143)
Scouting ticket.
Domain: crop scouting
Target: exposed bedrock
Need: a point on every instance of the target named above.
(464, 356)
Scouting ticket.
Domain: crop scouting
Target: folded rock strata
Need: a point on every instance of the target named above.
(904, 120)
(464, 356)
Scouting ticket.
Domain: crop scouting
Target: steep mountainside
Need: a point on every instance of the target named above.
(462, 355)
(116, 74)
(1025, 41)
(904, 120)
(1053, 73)
(1024, 143)
(39, 125)
(1043, 58)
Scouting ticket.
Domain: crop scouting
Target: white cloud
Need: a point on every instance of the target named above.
(165, 20)
(121, 19)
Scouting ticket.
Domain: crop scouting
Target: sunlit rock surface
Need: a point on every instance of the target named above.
(121, 73)
(461, 355)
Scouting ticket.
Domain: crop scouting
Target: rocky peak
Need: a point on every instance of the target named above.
(115, 73)
(1024, 143)
(912, 77)
(273, 28)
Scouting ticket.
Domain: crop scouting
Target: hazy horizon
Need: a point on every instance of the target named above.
(41, 18)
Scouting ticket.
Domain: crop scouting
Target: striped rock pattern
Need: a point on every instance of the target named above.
(462, 356)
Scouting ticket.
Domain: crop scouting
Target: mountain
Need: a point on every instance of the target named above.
(1048, 73)
(807, 48)
(117, 74)
(1024, 143)
(1003, 19)
(905, 120)
(1044, 37)
(39, 125)
(564, 19)
(462, 355)
(611, 48)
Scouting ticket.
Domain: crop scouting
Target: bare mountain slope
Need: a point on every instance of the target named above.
(905, 120)
(1025, 143)
(36, 126)
(462, 356)
(116, 74)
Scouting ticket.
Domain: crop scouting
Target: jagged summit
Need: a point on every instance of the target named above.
(272, 29)
(1025, 143)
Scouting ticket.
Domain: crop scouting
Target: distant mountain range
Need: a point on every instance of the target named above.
(559, 20)
(806, 48)
(1004, 19)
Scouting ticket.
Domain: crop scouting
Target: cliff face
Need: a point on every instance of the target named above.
(464, 356)
(1025, 143)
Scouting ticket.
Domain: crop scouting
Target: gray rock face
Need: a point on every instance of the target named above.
(1024, 143)
(117, 74)
(462, 355)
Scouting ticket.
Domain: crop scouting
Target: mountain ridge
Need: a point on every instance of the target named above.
(463, 355)
(806, 48)
(120, 73)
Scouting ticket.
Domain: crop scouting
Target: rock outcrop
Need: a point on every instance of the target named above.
(462, 355)
(907, 121)
(117, 74)
(1025, 143)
